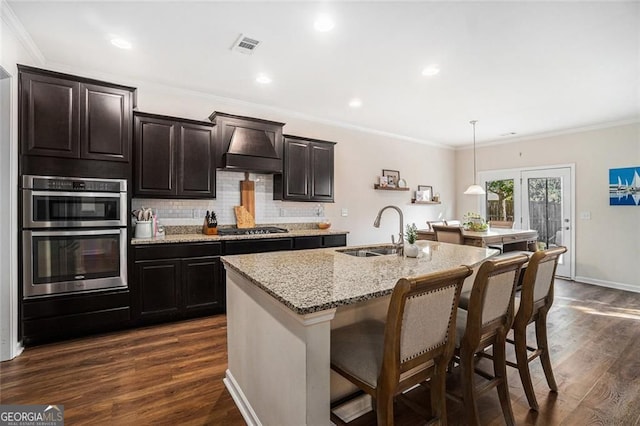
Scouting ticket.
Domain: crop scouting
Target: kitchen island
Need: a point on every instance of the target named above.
(281, 308)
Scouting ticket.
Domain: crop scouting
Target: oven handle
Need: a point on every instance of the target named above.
(72, 233)
(75, 194)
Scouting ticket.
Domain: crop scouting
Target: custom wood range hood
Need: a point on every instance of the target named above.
(248, 144)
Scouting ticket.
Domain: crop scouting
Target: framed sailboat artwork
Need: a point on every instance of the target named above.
(624, 186)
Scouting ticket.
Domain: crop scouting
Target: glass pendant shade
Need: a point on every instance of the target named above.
(474, 189)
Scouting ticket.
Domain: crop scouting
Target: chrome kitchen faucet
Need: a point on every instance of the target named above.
(376, 223)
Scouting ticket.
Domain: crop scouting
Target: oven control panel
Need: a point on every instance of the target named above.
(69, 184)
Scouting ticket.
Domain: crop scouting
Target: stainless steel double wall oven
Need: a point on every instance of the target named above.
(74, 235)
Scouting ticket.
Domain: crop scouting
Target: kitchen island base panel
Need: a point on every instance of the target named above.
(278, 361)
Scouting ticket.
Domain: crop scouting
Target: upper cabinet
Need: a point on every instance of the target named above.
(308, 170)
(70, 117)
(173, 157)
(248, 144)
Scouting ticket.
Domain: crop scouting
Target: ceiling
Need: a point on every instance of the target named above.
(524, 67)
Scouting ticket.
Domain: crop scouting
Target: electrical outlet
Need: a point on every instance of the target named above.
(345, 211)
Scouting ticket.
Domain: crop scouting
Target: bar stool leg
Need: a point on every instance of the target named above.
(468, 387)
(541, 337)
(500, 371)
(520, 339)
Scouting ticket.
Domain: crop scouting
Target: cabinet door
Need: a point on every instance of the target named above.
(196, 167)
(158, 288)
(50, 116)
(105, 123)
(154, 143)
(321, 170)
(203, 288)
(296, 177)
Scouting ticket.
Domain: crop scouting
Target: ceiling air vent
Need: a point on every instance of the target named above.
(245, 44)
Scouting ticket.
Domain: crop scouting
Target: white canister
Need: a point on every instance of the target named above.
(144, 229)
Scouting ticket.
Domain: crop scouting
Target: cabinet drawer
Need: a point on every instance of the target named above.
(334, 240)
(173, 251)
(307, 242)
(257, 246)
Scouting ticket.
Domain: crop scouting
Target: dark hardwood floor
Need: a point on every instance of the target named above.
(172, 374)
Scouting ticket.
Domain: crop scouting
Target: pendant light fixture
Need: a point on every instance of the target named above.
(474, 189)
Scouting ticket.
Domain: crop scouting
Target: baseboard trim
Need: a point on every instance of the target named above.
(240, 399)
(610, 284)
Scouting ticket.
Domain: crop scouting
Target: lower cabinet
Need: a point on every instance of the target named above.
(53, 318)
(174, 281)
(320, 241)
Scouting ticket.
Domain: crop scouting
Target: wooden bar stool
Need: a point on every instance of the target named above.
(533, 305)
(486, 323)
(415, 344)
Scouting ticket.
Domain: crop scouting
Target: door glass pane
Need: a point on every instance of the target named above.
(500, 200)
(545, 210)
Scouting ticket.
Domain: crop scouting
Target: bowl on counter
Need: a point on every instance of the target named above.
(324, 225)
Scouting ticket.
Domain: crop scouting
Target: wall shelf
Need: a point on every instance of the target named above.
(426, 202)
(386, 188)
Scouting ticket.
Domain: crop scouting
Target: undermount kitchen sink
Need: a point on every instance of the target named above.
(370, 251)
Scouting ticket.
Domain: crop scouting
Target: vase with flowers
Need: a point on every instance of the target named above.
(474, 222)
(411, 250)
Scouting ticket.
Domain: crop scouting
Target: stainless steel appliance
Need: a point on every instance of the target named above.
(74, 235)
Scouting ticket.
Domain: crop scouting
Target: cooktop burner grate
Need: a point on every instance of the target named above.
(251, 231)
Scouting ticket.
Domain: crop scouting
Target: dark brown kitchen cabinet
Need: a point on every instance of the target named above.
(66, 116)
(307, 172)
(173, 281)
(174, 158)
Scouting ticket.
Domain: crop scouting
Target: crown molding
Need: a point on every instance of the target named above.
(16, 27)
(277, 111)
(569, 131)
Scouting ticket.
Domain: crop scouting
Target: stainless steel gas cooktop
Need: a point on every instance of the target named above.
(251, 231)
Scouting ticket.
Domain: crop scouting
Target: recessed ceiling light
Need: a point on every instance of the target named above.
(431, 70)
(121, 43)
(324, 23)
(355, 103)
(263, 79)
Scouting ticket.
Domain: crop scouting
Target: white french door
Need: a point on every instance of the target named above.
(536, 198)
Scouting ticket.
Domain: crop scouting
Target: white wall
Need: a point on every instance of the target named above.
(607, 245)
(12, 51)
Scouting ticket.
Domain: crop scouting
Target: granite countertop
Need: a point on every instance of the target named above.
(308, 281)
(192, 236)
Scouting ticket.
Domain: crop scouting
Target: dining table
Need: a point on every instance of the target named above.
(507, 239)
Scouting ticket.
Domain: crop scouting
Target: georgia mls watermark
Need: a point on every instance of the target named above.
(31, 415)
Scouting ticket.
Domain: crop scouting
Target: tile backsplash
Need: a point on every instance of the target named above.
(268, 210)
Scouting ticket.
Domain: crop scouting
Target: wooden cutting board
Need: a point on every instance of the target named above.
(247, 195)
(244, 218)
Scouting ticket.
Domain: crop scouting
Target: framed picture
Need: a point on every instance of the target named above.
(426, 193)
(393, 176)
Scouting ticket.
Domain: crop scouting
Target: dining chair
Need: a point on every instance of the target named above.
(430, 223)
(533, 305)
(415, 343)
(504, 224)
(452, 223)
(485, 324)
(448, 234)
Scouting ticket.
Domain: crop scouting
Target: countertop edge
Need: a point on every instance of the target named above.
(188, 238)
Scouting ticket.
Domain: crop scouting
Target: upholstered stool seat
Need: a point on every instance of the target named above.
(415, 344)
